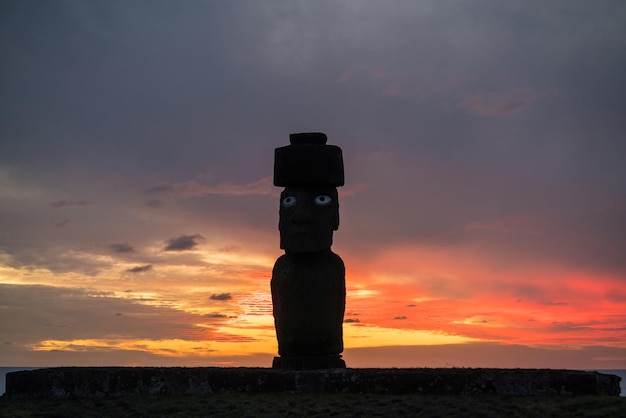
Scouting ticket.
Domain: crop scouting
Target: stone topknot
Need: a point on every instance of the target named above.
(308, 161)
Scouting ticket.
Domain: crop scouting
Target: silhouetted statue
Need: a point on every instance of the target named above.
(308, 281)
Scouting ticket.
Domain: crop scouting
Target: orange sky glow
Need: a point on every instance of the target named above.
(403, 297)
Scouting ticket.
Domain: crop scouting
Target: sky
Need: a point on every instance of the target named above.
(483, 217)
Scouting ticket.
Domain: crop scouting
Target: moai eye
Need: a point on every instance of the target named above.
(322, 200)
(288, 202)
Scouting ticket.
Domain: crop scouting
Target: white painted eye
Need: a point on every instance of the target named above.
(322, 200)
(288, 202)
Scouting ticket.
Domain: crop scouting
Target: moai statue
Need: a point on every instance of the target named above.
(308, 281)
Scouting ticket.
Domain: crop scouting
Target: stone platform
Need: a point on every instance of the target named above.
(103, 382)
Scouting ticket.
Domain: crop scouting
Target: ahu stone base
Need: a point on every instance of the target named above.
(76, 382)
(309, 362)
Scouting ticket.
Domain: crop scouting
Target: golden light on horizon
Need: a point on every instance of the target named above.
(242, 341)
(372, 336)
(185, 307)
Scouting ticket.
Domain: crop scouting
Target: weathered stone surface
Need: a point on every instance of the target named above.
(92, 382)
(309, 362)
(309, 298)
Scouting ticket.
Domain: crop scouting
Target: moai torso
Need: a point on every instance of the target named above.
(308, 293)
(308, 281)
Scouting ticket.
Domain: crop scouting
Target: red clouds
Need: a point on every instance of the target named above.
(456, 292)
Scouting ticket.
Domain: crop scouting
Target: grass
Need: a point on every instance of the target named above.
(242, 405)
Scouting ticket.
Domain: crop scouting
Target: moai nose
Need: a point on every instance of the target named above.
(302, 215)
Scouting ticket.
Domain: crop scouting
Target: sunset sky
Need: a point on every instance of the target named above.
(483, 220)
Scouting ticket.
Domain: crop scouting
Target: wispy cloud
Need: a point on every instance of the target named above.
(519, 223)
(193, 188)
(424, 85)
(498, 103)
(229, 249)
(64, 203)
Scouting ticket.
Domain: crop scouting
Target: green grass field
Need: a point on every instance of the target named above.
(243, 405)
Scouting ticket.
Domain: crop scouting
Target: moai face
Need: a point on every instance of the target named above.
(308, 217)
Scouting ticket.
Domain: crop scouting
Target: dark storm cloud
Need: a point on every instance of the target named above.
(312, 43)
(145, 85)
(140, 269)
(470, 95)
(221, 296)
(122, 248)
(183, 243)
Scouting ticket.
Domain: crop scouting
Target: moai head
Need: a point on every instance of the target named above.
(310, 171)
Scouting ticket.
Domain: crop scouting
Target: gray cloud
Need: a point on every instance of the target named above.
(182, 243)
(215, 316)
(59, 258)
(63, 313)
(140, 269)
(122, 248)
(221, 296)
